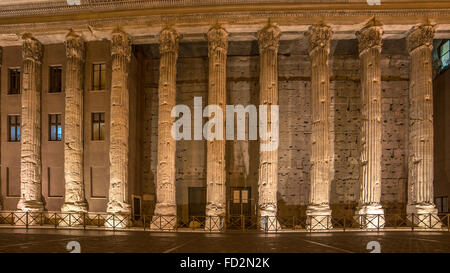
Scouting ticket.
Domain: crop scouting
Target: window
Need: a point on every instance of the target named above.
(442, 204)
(54, 127)
(98, 126)
(14, 81)
(99, 76)
(444, 53)
(13, 128)
(55, 84)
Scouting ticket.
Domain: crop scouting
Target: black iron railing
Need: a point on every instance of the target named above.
(102, 220)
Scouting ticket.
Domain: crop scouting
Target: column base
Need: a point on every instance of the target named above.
(29, 212)
(423, 216)
(214, 223)
(74, 207)
(118, 215)
(370, 216)
(318, 217)
(163, 222)
(268, 218)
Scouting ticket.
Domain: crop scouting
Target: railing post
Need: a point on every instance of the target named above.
(84, 220)
(56, 220)
(26, 219)
(412, 221)
(344, 222)
(448, 221)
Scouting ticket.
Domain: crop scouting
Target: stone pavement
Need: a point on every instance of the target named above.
(54, 241)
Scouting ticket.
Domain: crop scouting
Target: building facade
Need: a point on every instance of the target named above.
(87, 92)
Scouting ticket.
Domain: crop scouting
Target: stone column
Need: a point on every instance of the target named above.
(30, 149)
(118, 203)
(74, 199)
(268, 39)
(166, 207)
(420, 164)
(1, 56)
(370, 213)
(318, 210)
(217, 95)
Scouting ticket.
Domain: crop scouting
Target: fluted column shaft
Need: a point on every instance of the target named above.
(74, 199)
(420, 180)
(268, 39)
(319, 48)
(30, 150)
(165, 180)
(215, 173)
(119, 129)
(370, 39)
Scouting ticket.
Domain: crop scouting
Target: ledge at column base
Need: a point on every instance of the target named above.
(370, 217)
(423, 216)
(163, 222)
(318, 218)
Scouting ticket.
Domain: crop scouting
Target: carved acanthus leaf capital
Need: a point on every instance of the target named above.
(168, 40)
(120, 44)
(74, 44)
(420, 35)
(370, 36)
(319, 37)
(217, 39)
(269, 37)
(31, 49)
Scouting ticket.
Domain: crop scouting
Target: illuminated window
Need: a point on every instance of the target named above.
(13, 128)
(444, 53)
(55, 84)
(14, 81)
(98, 126)
(99, 76)
(54, 127)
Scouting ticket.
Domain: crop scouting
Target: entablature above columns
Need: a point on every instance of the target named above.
(240, 26)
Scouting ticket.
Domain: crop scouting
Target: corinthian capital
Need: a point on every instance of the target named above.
(120, 44)
(319, 37)
(269, 37)
(217, 39)
(168, 40)
(31, 48)
(74, 44)
(420, 35)
(370, 36)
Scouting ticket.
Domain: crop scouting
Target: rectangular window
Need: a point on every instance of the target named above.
(99, 76)
(98, 126)
(55, 84)
(14, 81)
(54, 127)
(13, 128)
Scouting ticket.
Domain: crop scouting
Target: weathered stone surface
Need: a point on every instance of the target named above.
(268, 39)
(74, 198)
(30, 174)
(420, 162)
(216, 174)
(119, 130)
(321, 150)
(165, 183)
(369, 39)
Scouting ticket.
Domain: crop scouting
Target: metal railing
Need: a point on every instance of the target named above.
(108, 221)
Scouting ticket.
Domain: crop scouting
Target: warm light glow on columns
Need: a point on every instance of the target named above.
(321, 150)
(74, 199)
(420, 163)
(1, 56)
(119, 130)
(30, 150)
(165, 179)
(370, 212)
(217, 95)
(268, 39)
